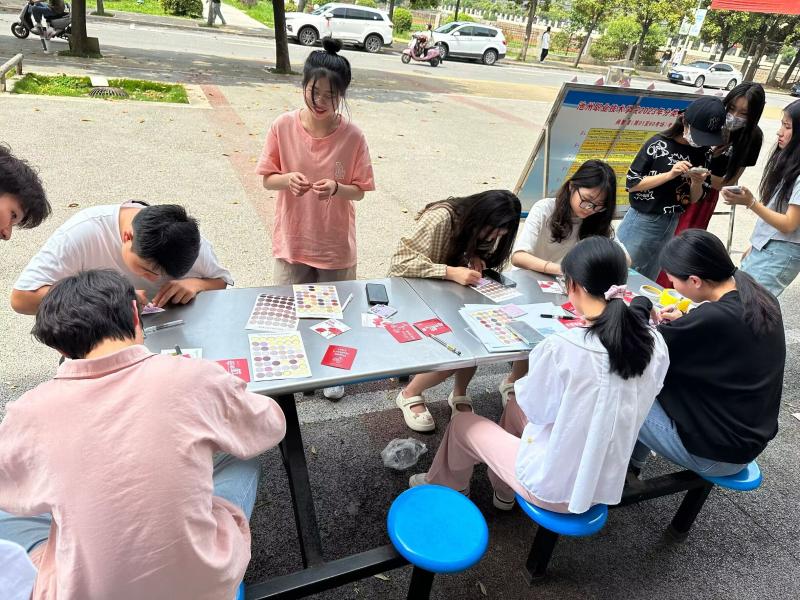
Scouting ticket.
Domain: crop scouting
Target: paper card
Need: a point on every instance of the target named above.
(495, 291)
(403, 332)
(383, 310)
(236, 366)
(370, 320)
(628, 296)
(571, 323)
(796, 416)
(330, 328)
(512, 310)
(186, 352)
(550, 287)
(317, 301)
(340, 357)
(570, 308)
(152, 309)
(273, 313)
(432, 327)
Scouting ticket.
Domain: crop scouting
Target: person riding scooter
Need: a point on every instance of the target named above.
(39, 9)
(424, 41)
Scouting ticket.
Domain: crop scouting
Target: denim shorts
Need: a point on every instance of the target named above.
(644, 235)
(775, 266)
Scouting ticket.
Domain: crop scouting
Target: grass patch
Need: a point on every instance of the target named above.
(148, 7)
(261, 12)
(79, 87)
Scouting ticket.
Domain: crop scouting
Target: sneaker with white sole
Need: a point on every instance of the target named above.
(334, 393)
(501, 504)
(422, 479)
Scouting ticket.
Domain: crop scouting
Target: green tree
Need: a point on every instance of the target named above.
(648, 13)
(621, 33)
(589, 15)
(423, 4)
(532, 6)
(282, 63)
(726, 28)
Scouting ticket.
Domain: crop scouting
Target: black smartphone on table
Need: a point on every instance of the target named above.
(499, 278)
(376, 294)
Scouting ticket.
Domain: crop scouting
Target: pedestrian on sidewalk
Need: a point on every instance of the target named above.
(666, 57)
(545, 44)
(214, 11)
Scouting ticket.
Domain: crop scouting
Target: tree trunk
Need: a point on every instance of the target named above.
(301, 5)
(528, 28)
(640, 44)
(101, 9)
(458, 7)
(210, 21)
(77, 41)
(753, 69)
(748, 55)
(586, 41)
(790, 70)
(773, 72)
(282, 64)
(391, 9)
(725, 48)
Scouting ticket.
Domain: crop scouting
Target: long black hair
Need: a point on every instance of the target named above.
(596, 264)
(327, 64)
(783, 166)
(754, 94)
(700, 253)
(497, 209)
(676, 129)
(591, 174)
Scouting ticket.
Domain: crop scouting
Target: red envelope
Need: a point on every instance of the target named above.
(403, 332)
(236, 366)
(340, 357)
(432, 327)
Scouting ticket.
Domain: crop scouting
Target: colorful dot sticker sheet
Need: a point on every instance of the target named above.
(317, 301)
(495, 291)
(494, 321)
(273, 313)
(278, 356)
(488, 324)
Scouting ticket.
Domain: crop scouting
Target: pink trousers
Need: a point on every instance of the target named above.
(471, 439)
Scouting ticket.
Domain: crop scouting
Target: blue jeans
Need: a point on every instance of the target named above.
(658, 433)
(235, 480)
(41, 10)
(644, 235)
(775, 266)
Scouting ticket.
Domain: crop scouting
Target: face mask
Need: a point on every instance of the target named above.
(486, 247)
(732, 122)
(687, 135)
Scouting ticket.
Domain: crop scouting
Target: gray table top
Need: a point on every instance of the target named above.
(215, 322)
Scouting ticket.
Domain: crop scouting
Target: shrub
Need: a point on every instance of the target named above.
(192, 8)
(462, 17)
(560, 42)
(367, 3)
(290, 6)
(402, 20)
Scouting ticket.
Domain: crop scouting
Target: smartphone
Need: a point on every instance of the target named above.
(733, 189)
(376, 294)
(499, 278)
(525, 332)
(699, 170)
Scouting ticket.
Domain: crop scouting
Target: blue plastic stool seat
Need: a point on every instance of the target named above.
(240, 592)
(437, 529)
(745, 480)
(581, 525)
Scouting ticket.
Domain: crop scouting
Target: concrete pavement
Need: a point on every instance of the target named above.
(429, 138)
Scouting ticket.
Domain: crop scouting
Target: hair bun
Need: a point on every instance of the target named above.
(331, 45)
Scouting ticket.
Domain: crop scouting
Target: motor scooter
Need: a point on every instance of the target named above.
(416, 51)
(57, 25)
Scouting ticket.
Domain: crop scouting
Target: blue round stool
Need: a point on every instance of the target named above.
(438, 530)
(745, 480)
(551, 526)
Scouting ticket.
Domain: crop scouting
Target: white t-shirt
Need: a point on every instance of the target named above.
(764, 232)
(545, 41)
(583, 420)
(91, 239)
(17, 573)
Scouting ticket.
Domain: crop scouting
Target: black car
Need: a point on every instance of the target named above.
(795, 91)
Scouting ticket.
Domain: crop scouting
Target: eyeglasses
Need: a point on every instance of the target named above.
(587, 205)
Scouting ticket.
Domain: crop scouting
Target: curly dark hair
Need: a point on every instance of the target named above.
(20, 180)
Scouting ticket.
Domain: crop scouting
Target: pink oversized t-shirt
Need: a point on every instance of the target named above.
(307, 230)
(120, 450)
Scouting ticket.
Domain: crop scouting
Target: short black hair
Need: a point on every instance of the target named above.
(19, 179)
(82, 310)
(168, 236)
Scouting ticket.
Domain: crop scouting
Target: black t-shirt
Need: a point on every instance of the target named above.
(719, 164)
(723, 388)
(658, 155)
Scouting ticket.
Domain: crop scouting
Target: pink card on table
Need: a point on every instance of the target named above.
(432, 327)
(236, 366)
(550, 287)
(340, 357)
(403, 332)
(512, 310)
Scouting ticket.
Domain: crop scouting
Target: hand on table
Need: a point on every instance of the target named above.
(178, 291)
(463, 275)
(325, 188)
(298, 184)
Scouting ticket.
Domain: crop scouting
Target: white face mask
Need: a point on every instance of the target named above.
(732, 122)
(687, 135)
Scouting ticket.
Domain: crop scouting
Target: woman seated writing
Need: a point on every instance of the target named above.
(719, 405)
(563, 443)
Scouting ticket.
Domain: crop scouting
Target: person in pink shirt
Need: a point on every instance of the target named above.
(130, 475)
(319, 164)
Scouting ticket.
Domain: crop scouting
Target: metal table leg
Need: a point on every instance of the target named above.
(294, 460)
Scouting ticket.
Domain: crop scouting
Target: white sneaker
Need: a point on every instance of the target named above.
(334, 393)
(418, 480)
(501, 504)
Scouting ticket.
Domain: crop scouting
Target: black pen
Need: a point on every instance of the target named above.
(567, 317)
(178, 351)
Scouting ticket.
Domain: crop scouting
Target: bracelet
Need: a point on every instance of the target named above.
(545, 267)
(750, 206)
(336, 190)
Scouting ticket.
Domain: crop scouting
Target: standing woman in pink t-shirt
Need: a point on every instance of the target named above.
(319, 163)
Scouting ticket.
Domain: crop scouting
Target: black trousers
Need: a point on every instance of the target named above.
(545, 52)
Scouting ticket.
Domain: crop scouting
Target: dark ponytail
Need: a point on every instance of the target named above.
(596, 264)
(700, 253)
(328, 64)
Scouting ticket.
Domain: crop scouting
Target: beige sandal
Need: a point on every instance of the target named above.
(423, 421)
(505, 389)
(454, 401)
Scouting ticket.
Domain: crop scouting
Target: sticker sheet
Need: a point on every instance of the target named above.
(495, 291)
(488, 323)
(370, 320)
(330, 328)
(317, 301)
(152, 309)
(273, 313)
(278, 356)
(383, 310)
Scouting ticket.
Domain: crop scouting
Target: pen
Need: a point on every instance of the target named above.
(167, 325)
(567, 317)
(450, 347)
(178, 350)
(346, 302)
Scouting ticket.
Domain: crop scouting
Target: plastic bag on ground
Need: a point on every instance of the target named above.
(401, 454)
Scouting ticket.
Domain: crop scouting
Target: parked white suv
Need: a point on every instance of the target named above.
(351, 24)
(471, 40)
